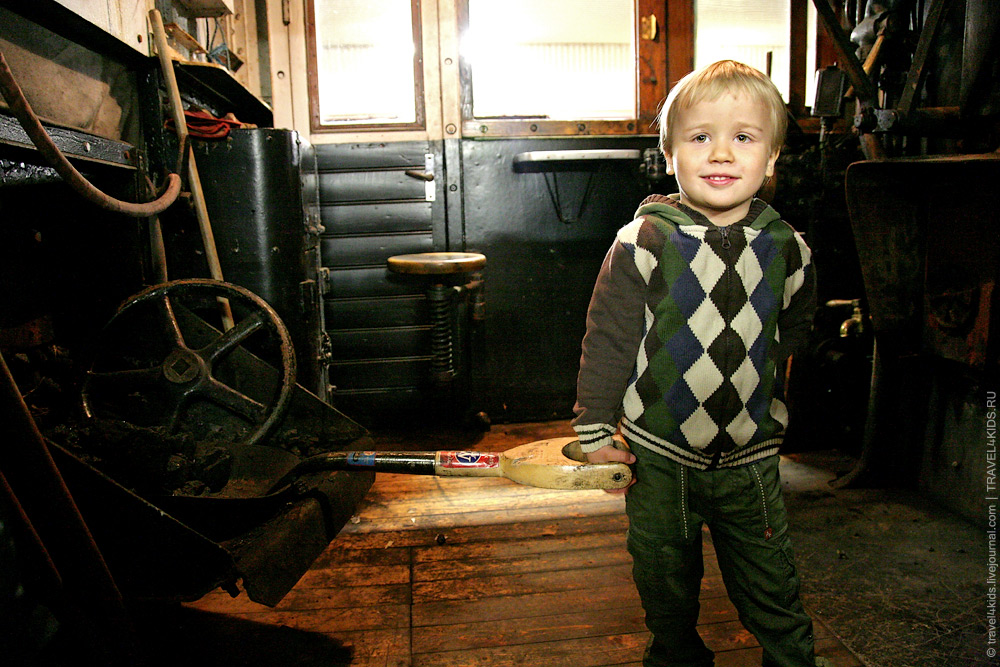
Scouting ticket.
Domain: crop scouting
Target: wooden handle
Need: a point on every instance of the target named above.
(194, 180)
(558, 463)
(549, 464)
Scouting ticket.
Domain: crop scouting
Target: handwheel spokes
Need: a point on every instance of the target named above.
(171, 327)
(137, 378)
(227, 397)
(174, 419)
(232, 338)
(184, 375)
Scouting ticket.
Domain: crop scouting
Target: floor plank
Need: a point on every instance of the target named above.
(466, 517)
(570, 557)
(579, 652)
(463, 572)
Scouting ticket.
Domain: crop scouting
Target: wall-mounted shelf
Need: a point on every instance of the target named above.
(73, 143)
(573, 160)
(220, 84)
(590, 160)
(207, 8)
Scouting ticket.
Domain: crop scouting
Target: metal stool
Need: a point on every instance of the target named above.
(439, 266)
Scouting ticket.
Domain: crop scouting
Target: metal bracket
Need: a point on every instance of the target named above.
(553, 190)
(589, 160)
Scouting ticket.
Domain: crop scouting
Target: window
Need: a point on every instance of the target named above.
(748, 32)
(552, 59)
(538, 67)
(365, 67)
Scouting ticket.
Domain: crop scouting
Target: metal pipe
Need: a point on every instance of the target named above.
(158, 251)
(44, 573)
(33, 127)
(876, 403)
(863, 85)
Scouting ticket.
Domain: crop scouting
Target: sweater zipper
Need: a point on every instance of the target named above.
(727, 245)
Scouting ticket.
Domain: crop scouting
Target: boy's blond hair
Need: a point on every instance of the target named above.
(709, 83)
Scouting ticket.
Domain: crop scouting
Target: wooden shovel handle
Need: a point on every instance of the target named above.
(554, 472)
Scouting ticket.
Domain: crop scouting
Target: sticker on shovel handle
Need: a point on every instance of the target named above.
(469, 460)
(361, 458)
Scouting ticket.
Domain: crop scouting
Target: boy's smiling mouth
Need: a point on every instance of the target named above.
(719, 179)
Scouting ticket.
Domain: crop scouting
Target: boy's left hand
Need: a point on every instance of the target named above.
(618, 454)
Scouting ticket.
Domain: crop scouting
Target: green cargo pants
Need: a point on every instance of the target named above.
(745, 513)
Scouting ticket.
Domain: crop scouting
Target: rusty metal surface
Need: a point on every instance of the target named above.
(152, 349)
(163, 545)
(926, 237)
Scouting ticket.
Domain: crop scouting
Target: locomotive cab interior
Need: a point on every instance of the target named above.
(236, 235)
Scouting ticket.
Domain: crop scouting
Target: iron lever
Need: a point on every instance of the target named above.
(419, 175)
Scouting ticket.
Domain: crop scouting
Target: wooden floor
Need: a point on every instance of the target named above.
(462, 572)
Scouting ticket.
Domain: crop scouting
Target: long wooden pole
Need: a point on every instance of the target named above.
(194, 181)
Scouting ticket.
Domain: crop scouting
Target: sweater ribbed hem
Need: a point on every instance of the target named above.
(594, 436)
(695, 459)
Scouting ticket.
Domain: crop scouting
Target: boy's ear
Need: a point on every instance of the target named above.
(670, 161)
(769, 172)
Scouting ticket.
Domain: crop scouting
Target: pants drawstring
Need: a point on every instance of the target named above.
(768, 531)
(684, 502)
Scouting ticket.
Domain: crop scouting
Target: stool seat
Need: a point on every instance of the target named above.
(437, 263)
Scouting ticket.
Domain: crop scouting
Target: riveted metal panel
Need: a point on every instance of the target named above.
(372, 249)
(388, 311)
(378, 322)
(380, 217)
(540, 269)
(258, 186)
(374, 185)
(353, 157)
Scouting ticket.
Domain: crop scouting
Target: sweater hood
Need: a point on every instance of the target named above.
(670, 208)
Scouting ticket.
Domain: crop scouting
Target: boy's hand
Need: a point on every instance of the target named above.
(617, 454)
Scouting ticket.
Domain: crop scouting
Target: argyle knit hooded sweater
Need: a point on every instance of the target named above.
(688, 330)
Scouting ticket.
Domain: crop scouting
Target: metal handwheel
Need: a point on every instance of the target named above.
(160, 364)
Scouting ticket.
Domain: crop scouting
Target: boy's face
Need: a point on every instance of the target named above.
(720, 153)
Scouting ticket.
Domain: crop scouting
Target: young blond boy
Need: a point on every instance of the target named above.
(698, 305)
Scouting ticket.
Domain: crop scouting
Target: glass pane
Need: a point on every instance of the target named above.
(744, 31)
(365, 61)
(559, 59)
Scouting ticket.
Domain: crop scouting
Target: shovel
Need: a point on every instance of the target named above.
(557, 463)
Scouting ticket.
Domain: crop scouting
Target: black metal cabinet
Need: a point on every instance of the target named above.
(261, 192)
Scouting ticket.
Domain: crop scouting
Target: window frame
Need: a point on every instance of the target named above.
(672, 51)
(312, 66)
(672, 45)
